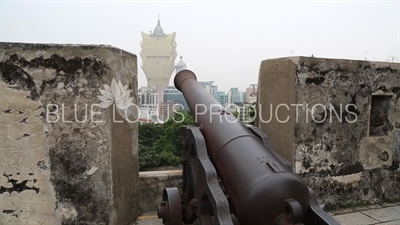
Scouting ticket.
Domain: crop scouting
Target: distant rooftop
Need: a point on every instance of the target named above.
(158, 31)
(180, 65)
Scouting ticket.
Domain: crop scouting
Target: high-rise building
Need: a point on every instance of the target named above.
(242, 97)
(222, 98)
(148, 102)
(235, 96)
(251, 91)
(168, 109)
(171, 94)
(148, 97)
(158, 56)
(210, 88)
(252, 98)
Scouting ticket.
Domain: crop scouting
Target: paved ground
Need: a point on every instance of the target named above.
(385, 214)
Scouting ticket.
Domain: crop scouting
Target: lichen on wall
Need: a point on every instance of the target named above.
(24, 191)
(349, 137)
(343, 97)
(343, 133)
(59, 158)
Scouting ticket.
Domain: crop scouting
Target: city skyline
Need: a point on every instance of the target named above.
(181, 65)
(221, 41)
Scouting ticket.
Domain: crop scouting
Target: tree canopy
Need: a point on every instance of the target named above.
(161, 144)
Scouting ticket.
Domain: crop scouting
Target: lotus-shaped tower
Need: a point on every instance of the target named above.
(158, 56)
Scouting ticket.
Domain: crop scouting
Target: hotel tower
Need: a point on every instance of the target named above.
(158, 56)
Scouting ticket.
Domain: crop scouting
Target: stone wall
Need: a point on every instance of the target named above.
(152, 184)
(338, 123)
(64, 159)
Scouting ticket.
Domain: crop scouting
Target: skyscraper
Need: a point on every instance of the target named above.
(171, 94)
(235, 96)
(251, 91)
(222, 98)
(158, 56)
(210, 88)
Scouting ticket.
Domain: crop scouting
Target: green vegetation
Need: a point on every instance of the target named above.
(329, 207)
(351, 204)
(161, 144)
(387, 199)
(250, 114)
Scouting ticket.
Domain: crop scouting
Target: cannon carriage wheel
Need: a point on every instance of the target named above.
(170, 209)
(202, 196)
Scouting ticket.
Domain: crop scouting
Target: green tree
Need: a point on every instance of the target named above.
(249, 118)
(149, 133)
(161, 144)
(170, 143)
(251, 113)
(148, 157)
(236, 114)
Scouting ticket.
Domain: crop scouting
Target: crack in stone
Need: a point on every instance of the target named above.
(7, 176)
(9, 111)
(24, 135)
(8, 211)
(24, 120)
(38, 108)
(17, 187)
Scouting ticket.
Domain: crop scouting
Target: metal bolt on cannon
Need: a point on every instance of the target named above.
(231, 174)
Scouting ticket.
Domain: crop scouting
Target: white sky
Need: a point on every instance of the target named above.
(222, 41)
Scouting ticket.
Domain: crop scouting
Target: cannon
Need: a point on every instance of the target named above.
(231, 174)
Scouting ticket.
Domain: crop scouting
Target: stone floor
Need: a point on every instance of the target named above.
(384, 214)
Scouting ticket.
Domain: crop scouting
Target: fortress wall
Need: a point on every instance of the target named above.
(64, 159)
(338, 123)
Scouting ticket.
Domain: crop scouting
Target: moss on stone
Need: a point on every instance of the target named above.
(345, 205)
(387, 199)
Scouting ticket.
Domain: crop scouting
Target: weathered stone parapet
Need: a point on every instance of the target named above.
(65, 160)
(337, 122)
(152, 184)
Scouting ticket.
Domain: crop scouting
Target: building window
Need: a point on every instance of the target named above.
(379, 124)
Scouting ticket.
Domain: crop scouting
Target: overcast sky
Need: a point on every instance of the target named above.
(220, 41)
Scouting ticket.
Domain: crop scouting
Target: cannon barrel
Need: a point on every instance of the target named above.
(261, 190)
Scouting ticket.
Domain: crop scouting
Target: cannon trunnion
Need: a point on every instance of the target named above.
(232, 169)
